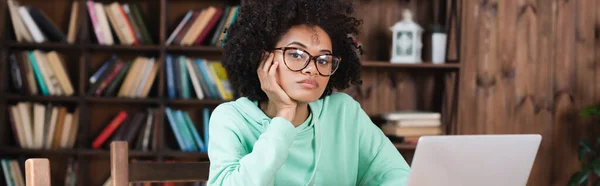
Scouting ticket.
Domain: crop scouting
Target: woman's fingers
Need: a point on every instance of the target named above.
(268, 63)
(273, 69)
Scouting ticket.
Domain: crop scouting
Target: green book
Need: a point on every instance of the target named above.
(185, 83)
(135, 9)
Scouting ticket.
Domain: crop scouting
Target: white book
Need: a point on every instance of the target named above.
(147, 69)
(149, 122)
(18, 126)
(67, 125)
(410, 115)
(39, 111)
(52, 128)
(74, 128)
(137, 78)
(417, 123)
(194, 78)
(56, 65)
(115, 8)
(103, 21)
(16, 172)
(32, 27)
(21, 31)
(25, 112)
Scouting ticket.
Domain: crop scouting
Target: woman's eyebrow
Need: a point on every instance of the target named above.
(297, 43)
(304, 46)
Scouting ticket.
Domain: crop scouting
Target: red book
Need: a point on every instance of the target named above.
(209, 27)
(124, 17)
(109, 129)
(110, 77)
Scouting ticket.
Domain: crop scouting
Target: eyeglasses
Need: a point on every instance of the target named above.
(297, 59)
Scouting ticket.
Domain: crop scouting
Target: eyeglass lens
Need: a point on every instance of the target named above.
(296, 60)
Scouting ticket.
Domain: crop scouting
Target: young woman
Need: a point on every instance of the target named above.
(289, 127)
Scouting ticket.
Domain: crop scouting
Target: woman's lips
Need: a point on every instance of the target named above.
(309, 83)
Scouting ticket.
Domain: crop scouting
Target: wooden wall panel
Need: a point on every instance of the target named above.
(386, 90)
(529, 66)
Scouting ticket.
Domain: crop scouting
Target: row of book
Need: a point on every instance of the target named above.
(30, 24)
(185, 131)
(411, 125)
(126, 21)
(134, 77)
(206, 78)
(13, 172)
(38, 126)
(197, 26)
(37, 72)
(138, 128)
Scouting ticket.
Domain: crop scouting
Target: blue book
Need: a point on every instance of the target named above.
(99, 72)
(6, 169)
(176, 131)
(170, 77)
(194, 132)
(210, 82)
(185, 131)
(205, 119)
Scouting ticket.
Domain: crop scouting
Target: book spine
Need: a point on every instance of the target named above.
(6, 171)
(109, 78)
(135, 9)
(185, 85)
(187, 17)
(194, 132)
(170, 77)
(114, 124)
(185, 130)
(38, 74)
(173, 125)
(33, 28)
(95, 24)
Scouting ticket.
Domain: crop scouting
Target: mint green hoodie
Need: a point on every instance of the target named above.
(337, 145)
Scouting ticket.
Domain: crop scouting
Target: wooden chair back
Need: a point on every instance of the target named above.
(123, 172)
(37, 172)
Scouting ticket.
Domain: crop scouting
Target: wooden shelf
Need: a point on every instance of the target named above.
(194, 102)
(36, 152)
(117, 47)
(194, 49)
(98, 152)
(123, 100)
(15, 97)
(44, 46)
(102, 152)
(424, 65)
(179, 154)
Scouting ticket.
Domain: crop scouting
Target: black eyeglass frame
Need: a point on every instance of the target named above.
(310, 58)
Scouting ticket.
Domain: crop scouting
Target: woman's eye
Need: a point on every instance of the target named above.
(322, 61)
(295, 55)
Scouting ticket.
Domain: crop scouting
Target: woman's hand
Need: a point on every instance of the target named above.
(267, 74)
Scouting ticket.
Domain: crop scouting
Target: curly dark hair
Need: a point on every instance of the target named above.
(261, 24)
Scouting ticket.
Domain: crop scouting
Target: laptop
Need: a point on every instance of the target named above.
(474, 160)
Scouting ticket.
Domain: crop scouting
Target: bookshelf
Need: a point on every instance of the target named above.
(85, 56)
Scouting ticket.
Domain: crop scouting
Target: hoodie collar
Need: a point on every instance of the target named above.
(250, 110)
